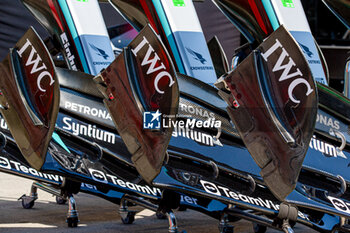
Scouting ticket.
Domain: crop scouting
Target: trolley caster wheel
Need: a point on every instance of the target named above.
(227, 229)
(60, 200)
(160, 215)
(27, 202)
(292, 223)
(72, 221)
(27, 205)
(259, 228)
(130, 218)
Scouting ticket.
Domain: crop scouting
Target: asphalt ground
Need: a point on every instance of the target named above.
(95, 214)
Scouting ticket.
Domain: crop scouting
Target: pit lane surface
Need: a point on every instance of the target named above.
(96, 215)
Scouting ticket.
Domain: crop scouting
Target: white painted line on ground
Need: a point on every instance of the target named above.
(25, 225)
(144, 213)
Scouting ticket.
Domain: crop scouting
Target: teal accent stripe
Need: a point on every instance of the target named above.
(73, 31)
(163, 19)
(57, 139)
(271, 14)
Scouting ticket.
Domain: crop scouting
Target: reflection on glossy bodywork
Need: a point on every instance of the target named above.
(49, 14)
(142, 79)
(273, 104)
(30, 96)
(248, 16)
(341, 8)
